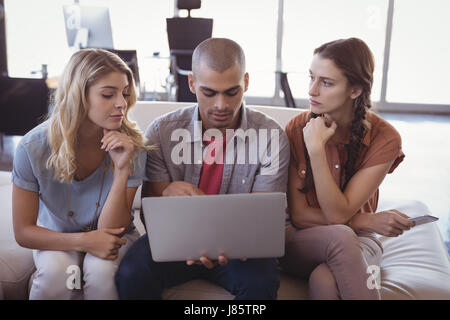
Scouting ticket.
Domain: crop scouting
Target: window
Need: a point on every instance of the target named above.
(309, 24)
(419, 45)
(36, 33)
(138, 24)
(420, 49)
(141, 25)
(252, 24)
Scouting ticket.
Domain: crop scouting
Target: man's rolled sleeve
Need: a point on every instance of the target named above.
(138, 177)
(272, 176)
(156, 169)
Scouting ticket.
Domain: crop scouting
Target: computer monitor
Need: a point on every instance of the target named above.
(88, 27)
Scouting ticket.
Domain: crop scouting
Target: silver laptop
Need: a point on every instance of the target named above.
(236, 225)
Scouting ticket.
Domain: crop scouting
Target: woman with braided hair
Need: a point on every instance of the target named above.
(340, 153)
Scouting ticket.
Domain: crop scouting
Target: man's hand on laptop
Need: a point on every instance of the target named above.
(181, 188)
(222, 260)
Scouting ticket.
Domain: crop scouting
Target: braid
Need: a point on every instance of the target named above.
(309, 179)
(358, 129)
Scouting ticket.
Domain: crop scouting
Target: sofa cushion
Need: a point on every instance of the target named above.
(416, 264)
(5, 178)
(16, 267)
(16, 263)
(145, 112)
(290, 289)
(6, 227)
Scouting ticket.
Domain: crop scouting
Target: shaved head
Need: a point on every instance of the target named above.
(219, 81)
(218, 54)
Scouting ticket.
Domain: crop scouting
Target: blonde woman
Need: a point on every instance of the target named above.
(74, 180)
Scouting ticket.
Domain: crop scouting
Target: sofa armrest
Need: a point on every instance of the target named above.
(137, 200)
(415, 264)
(5, 178)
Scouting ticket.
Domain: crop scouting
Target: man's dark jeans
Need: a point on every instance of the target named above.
(139, 277)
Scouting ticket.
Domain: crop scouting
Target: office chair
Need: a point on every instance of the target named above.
(184, 34)
(130, 58)
(23, 105)
(285, 87)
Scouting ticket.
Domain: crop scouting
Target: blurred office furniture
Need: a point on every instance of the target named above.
(189, 5)
(3, 60)
(158, 84)
(88, 27)
(23, 105)
(184, 34)
(43, 71)
(130, 58)
(288, 97)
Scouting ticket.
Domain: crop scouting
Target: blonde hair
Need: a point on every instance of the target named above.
(84, 69)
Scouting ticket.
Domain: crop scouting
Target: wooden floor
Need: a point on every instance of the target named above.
(423, 175)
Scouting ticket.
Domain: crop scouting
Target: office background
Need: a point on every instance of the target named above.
(409, 39)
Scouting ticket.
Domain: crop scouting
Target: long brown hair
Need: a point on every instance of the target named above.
(354, 58)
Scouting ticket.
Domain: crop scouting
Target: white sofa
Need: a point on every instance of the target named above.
(415, 265)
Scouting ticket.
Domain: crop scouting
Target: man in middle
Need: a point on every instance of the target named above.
(225, 148)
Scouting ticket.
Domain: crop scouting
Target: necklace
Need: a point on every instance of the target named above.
(70, 213)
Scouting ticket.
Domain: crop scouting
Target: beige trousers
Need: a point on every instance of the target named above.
(64, 275)
(338, 263)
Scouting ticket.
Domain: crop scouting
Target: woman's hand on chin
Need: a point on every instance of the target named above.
(119, 146)
(316, 134)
